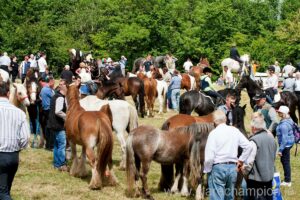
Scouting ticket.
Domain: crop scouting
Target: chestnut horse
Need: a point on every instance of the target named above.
(150, 85)
(89, 129)
(188, 82)
(146, 143)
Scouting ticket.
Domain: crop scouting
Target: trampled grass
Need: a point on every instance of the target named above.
(36, 179)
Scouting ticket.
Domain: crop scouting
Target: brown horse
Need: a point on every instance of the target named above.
(89, 129)
(187, 82)
(196, 71)
(146, 143)
(150, 85)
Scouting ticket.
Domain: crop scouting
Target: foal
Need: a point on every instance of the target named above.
(90, 129)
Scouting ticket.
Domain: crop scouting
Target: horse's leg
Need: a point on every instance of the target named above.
(161, 101)
(184, 190)
(178, 174)
(74, 166)
(293, 113)
(81, 169)
(166, 178)
(121, 138)
(112, 179)
(96, 182)
(143, 174)
(238, 184)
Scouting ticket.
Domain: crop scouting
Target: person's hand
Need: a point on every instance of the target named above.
(239, 165)
(279, 154)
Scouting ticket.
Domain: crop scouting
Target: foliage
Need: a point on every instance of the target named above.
(185, 28)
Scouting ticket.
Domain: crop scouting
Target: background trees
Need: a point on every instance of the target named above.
(185, 28)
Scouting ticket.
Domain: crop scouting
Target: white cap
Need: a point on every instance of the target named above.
(108, 60)
(283, 109)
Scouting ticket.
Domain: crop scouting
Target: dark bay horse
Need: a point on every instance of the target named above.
(290, 100)
(89, 129)
(197, 101)
(75, 59)
(146, 143)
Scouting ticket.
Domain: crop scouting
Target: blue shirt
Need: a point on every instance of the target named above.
(175, 83)
(46, 96)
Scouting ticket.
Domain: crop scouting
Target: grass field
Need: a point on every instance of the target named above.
(36, 179)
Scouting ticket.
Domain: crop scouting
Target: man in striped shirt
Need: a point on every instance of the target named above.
(14, 136)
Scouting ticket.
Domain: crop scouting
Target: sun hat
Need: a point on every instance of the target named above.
(283, 109)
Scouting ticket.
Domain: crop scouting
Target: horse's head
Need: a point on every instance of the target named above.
(20, 94)
(32, 90)
(156, 74)
(238, 114)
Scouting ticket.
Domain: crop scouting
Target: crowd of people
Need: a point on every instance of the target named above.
(222, 162)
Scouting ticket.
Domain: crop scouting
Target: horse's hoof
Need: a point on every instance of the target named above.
(95, 186)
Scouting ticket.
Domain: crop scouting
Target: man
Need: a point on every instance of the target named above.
(42, 64)
(234, 54)
(14, 136)
(24, 67)
(187, 65)
(123, 63)
(267, 111)
(67, 74)
(5, 62)
(221, 162)
(288, 69)
(261, 162)
(166, 75)
(148, 63)
(46, 95)
(174, 90)
(206, 84)
(289, 83)
(227, 108)
(57, 117)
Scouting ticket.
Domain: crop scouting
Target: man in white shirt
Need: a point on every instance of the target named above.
(287, 69)
(5, 62)
(271, 86)
(32, 60)
(221, 162)
(187, 65)
(42, 64)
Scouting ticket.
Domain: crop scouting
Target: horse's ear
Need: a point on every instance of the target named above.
(15, 85)
(244, 106)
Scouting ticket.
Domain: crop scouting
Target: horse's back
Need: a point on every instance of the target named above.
(178, 120)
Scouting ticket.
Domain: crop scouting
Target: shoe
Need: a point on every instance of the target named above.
(288, 184)
(63, 168)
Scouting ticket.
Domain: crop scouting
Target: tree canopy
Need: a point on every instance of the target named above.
(266, 29)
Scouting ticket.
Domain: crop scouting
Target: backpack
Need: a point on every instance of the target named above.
(296, 132)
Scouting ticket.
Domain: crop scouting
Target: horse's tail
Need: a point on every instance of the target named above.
(142, 98)
(164, 93)
(195, 163)
(106, 109)
(104, 148)
(166, 125)
(133, 119)
(131, 170)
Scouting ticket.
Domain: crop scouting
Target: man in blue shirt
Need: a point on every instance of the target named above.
(174, 90)
(46, 95)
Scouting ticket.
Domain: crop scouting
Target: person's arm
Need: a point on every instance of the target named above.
(209, 82)
(273, 117)
(59, 108)
(250, 160)
(283, 132)
(24, 134)
(245, 145)
(209, 153)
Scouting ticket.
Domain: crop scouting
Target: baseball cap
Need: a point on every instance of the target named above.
(283, 109)
(259, 96)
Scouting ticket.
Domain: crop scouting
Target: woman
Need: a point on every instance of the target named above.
(15, 68)
(285, 135)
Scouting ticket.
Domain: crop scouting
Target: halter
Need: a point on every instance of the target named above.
(22, 99)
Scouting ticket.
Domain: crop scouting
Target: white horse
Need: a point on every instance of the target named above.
(234, 66)
(4, 75)
(124, 115)
(18, 96)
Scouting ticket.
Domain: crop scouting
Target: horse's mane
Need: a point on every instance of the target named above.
(196, 129)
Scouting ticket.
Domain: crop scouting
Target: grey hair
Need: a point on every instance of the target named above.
(219, 117)
(258, 121)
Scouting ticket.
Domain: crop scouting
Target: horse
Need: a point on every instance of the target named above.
(124, 116)
(159, 61)
(196, 71)
(4, 75)
(137, 64)
(89, 129)
(32, 87)
(197, 101)
(181, 120)
(18, 96)
(146, 143)
(290, 100)
(75, 58)
(188, 82)
(162, 88)
(234, 66)
(150, 86)
(203, 62)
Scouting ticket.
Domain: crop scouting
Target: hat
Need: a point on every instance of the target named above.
(283, 109)
(259, 96)
(109, 60)
(207, 69)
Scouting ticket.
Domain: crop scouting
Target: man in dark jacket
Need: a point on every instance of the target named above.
(234, 54)
(57, 117)
(67, 74)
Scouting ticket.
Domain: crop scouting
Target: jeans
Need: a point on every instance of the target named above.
(59, 151)
(175, 94)
(259, 190)
(8, 167)
(286, 164)
(221, 181)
